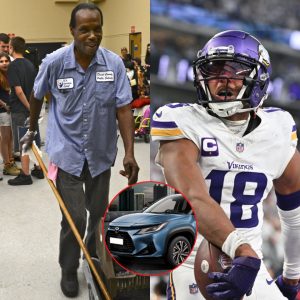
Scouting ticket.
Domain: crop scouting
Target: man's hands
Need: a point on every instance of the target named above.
(237, 281)
(27, 140)
(131, 169)
(288, 290)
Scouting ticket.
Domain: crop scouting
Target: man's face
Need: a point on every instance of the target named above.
(4, 47)
(230, 80)
(4, 62)
(87, 32)
(10, 49)
(124, 53)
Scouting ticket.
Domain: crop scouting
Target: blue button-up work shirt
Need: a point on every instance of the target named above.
(82, 117)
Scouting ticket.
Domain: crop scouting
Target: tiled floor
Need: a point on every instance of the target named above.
(29, 232)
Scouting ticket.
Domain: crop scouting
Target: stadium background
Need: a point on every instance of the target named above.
(179, 28)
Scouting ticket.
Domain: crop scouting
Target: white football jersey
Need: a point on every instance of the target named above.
(239, 171)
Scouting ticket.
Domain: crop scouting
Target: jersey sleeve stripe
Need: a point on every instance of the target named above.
(166, 132)
(294, 136)
(159, 124)
(294, 133)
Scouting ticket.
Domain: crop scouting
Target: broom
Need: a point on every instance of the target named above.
(71, 223)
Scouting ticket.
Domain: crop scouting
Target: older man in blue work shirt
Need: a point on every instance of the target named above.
(89, 91)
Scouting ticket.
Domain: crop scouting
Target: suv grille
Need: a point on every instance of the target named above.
(127, 241)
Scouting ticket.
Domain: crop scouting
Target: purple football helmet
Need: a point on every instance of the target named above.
(242, 57)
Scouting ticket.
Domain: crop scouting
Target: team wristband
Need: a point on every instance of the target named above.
(232, 242)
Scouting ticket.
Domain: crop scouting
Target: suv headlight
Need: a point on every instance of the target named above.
(154, 228)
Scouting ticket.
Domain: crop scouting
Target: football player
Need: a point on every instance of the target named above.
(226, 154)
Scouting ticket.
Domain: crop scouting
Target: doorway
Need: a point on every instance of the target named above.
(135, 44)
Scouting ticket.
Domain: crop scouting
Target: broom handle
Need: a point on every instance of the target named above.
(72, 225)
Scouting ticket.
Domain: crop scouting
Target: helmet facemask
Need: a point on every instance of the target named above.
(223, 64)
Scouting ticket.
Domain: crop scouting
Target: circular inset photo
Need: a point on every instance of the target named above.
(149, 228)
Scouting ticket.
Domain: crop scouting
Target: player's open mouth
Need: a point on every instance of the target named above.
(225, 94)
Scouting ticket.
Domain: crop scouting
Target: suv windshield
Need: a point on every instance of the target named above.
(174, 204)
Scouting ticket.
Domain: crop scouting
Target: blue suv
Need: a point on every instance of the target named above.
(165, 229)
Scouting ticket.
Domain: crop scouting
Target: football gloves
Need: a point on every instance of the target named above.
(237, 281)
(287, 290)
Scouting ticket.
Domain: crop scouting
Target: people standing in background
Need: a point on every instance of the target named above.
(126, 57)
(147, 63)
(21, 75)
(5, 121)
(143, 85)
(133, 79)
(4, 40)
(4, 44)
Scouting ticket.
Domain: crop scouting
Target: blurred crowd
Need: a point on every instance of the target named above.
(173, 53)
(139, 78)
(285, 14)
(137, 73)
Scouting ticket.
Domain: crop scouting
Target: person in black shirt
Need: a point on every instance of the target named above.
(21, 75)
(126, 57)
(147, 63)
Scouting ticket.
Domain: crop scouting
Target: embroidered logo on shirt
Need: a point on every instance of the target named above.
(65, 83)
(240, 147)
(159, 114)
(269, 282)
(105, 76)
(193, 288)
(209, 147)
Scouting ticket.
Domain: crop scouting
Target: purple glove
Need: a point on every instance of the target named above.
(287, 290)
(237, 281)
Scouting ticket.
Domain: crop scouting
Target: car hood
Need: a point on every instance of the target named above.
(145, 219)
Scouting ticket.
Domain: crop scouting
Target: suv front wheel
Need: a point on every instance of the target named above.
(178, 250)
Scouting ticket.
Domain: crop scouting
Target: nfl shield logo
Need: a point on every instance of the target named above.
(193, 288)
(224, 261)
(239, 147)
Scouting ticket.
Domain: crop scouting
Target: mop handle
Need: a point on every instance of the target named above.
(71, 223)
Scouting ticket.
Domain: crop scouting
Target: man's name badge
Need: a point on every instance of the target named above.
(65, 83)
(105, 76)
